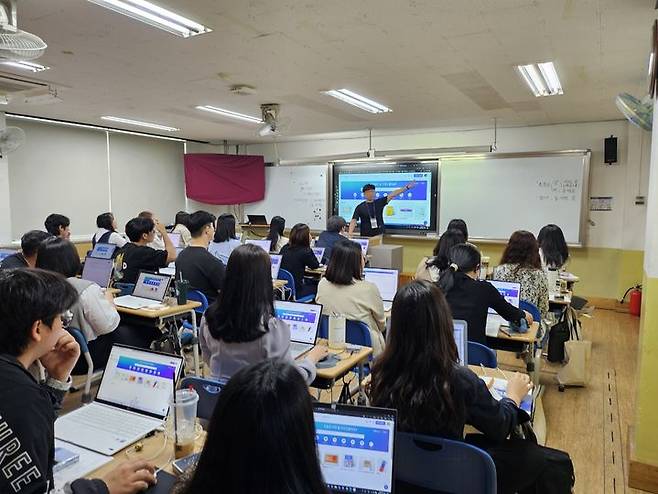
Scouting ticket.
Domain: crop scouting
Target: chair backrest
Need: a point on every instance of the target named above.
(478, 354)
(197, 296)
(443, 465)
(324, 327)
(287, 275)
(208, 391)
(126, 288)
(531, 308)
(80, 339)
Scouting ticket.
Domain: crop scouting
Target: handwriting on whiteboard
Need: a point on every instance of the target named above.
(558, 190)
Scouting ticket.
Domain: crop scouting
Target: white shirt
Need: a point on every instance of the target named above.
(115, 238)
(95, 315)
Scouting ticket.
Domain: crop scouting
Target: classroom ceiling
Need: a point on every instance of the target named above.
(436, 63)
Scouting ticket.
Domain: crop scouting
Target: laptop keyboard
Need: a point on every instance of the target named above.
(116, 422)
(298, 348)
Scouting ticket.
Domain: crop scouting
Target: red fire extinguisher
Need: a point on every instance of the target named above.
(634, 301)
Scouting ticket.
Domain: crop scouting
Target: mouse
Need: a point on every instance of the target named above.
(325, 358)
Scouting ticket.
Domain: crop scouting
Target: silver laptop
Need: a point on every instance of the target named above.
(175, 239)
(276, 265)
(512, 293)
(363, 242)
(103, 251)
(386, 281)
(98, 270)
(304, 323)
(460, 331)
(150, 291)
(132, 400)
(263, 244)
(318, 252)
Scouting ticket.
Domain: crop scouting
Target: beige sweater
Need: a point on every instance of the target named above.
(359, 301)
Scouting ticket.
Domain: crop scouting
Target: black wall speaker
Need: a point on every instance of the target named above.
(610, 150)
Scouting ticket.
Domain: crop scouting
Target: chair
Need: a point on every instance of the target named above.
(126, 288)
(532, 309)
(208, 391)
(443, 465)
(195, 296)
(478, 354)
(84, 350)
(286, 275)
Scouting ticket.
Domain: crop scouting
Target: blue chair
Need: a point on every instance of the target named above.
(126, 288)
(195, 296)
(443, 465)
(478, 354)
(208, 391)
(84, 350)
(286, 275)
(532, 309)
(356, 332)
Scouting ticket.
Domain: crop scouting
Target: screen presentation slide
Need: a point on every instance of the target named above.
(303, 319)
(411, 209)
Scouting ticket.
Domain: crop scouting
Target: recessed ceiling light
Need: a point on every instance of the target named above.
(139, 123)
(230, 114)
(23, 65)
(354, 99)
(541, 78)
(156, 16)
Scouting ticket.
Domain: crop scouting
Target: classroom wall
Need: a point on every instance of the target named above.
(5, 207)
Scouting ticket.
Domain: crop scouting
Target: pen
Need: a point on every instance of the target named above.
(504, 375)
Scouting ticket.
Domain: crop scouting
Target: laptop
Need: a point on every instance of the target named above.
(355, 447)
(257, 219)
(103, 251)
(276, 265)
(386, 281)
(363, 242)
(512, 293)
(175, 239)
(150, 290)
(460, 331)
(263, 244)
(318, 252)
(304, 323)
(5, 253)
(132, 401)
(98, 270)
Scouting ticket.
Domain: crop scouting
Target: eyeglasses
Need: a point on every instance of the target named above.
(66, 318)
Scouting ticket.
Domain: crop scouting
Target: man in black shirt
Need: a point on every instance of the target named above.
(137, 255)
(371, 211)
(27, 257)
(58, 225)
(203, 270)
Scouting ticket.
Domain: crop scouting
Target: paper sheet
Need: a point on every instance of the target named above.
(88, 462)
(499, 389)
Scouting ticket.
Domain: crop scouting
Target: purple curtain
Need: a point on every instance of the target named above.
(224, 178)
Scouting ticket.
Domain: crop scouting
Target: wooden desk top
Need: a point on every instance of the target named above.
(278, 284)
(529, 337)
(347, 360)
(319, 271)
(166, 311)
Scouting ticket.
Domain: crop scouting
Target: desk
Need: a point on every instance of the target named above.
(519, 343)
(319, 272)
(326, 378)
(259, 231)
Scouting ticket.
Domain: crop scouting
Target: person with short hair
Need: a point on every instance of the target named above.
(27, 257)
(371, 211)
(225, 240)
(181, 227)
(203, 270)
(107, 231)
(158, 240)
(344, 291)
(336, 230)
(34, 315)
(137, 255)
(58, 225)
(296, 256)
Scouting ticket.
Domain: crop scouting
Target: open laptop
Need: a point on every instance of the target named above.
(132, 401)
(512, 293)
(355, 447)
(386, 281)
(5, 253)
(460, 331)
(276, 265)
(150, 290)
(175, 239)
(304, 323)
(318, 252)
(363, 242)
(257, 219)
(263, 244)
(98, 270)
(103, 251)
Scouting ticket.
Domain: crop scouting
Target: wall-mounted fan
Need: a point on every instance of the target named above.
(17, 45)
(11, 139)
(637, 112)
(273, 125)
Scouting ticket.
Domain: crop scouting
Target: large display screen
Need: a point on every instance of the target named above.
(414, 209)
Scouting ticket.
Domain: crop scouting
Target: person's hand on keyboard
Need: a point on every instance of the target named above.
(130, 477)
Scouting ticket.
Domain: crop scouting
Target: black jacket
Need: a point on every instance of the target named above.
(327, 240)
(296, 260)
(27, 439)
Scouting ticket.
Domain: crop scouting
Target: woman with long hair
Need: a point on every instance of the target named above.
(429, 268)
(225, 240)
(553, 249)
(275, 235)
(107, 231)
(182, 228)
(296, 256)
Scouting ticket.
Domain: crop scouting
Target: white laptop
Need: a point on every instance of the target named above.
(263, 244)
(98, 270)
(355, 447)
(276, 265)
(386, 281)
(304, 323)
(175, 239)
(363, 242)
(132, 400)
(318, 252)
(103, 251)
(512, 293)
(460, 331)
(150, 291)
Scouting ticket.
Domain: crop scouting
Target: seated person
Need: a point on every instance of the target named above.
(158, 240)
(553, 249)
(336, 230)
(296, 256)
(182, 228)
(521, 263)
(225, 238)
(459, 224)
(240, 329)
(470, 298)
(33, 317)
(429, 268)
(138, 256)
(419, 375)
(203, 270)
(58, 225)
(107, 231)
(344, 291)
(266, 397)
(275, 235)
(27, 257)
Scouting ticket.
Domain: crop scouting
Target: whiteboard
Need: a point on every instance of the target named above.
(499, 195)
(296, 192)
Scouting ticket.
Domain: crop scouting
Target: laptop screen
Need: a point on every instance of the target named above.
(5, 253)
(98, 270)
(139, 380)
(363, 242)
(103, 251)
(257, 219)
(152, 286)
(303, 319)
(175, 239)
(276, 265)
(263, 244)
(355, 447)
(385, 279)
(508, 289)
(461, 340)
(319, 253)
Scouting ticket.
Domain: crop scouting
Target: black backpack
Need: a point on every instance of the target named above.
(561, 333)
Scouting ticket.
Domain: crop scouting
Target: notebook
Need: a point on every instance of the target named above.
(386, 281)
(98, 270)
(150, 290)
(512, 293)
(304, 323)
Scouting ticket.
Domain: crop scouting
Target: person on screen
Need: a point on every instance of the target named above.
(371, 211)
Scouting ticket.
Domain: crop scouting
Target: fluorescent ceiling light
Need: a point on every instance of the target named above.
(541, 78)
(230, 114)
(357, 100)
(24, 65)
(153, 15)
(138, 123)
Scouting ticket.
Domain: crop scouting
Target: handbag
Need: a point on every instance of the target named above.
(559, 334)
(578, 352)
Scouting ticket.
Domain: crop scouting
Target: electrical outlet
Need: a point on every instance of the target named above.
(639, 200)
